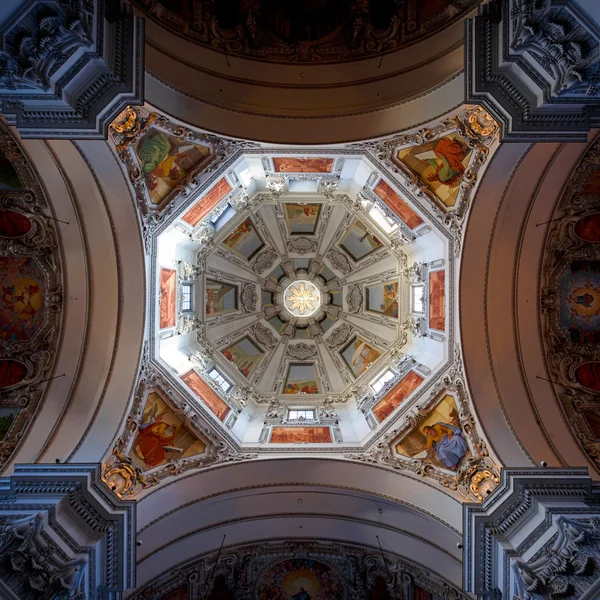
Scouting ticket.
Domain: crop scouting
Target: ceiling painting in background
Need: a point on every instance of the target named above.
(22, 310)
(359, 355)
(383, 298)
(440, 164)
(320, 31)
(303, 165)
(302, 218)
(206, 394)
(221, 298)
(439, 439)
(401, 208)
(162, 437)
(168, 288)
(245, 240)
(165, 160)
(245, 355)
(437, 300)
(404, 388)
(301, 379)
(358, 242)
(301, 435)
(199, 210)
(14, 225)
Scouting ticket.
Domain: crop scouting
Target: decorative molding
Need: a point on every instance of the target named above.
(534, 67)
(68, 69)
(536, 536)
(45, 513)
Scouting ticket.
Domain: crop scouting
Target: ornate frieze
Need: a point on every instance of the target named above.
(355, 571)
(69, 68)
(45, 513)
(534, 67)
(536, 537)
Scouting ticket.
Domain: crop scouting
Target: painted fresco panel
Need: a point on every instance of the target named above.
(439, 439)
(588, 375)
(168, 285)
(221, 298)
(22, 310)
(207, 203)
(406, 386)
(7, 415)
(580, 301)
(165, 160)
(358, 355)
(245, 240)
(13, 224)
(440, 164)
(393, 200)
(245, 355)
(300, 579)
(161, 436)
(588, 228)
(302, 219)
(301, 379)
(592, 416)
(592, 184)
(437, 300)
(357, 242)
(12, 372)
(180, 593)
(303, 165)
(299, 435)
(9, 178)
(383, 298)
(206, 394)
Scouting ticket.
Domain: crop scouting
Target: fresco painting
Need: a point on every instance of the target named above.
(206, 394)
(588, 375)
(300, 579)
(440, 164)
(580, 301)
(358, 355)
(592, 183)
(245, 240)
(357, 242)
(592, 416)
(383, 298)
(393, 200)
(168, 285)
(302, 218)
(588, 228)
(301, 435)
(422, 594)
(7, 415)
(165, 160)
(180, 593)
(207, 203)
(12, 372)
(22, 308)
(9, 178)
(303, 165)
(406, 386)
(438, 440)
(221, 298)
(14, 224)
(162, 437)
(245, 355)
(301, 379)
(437, 300)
